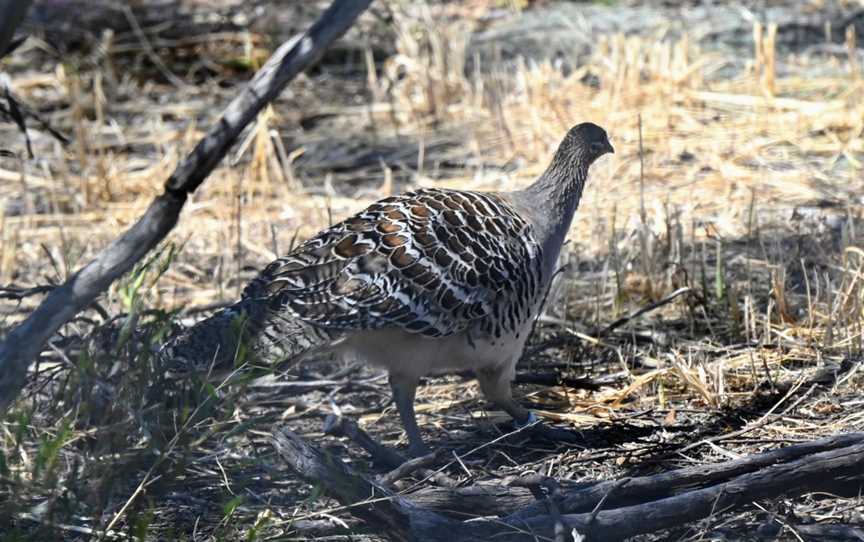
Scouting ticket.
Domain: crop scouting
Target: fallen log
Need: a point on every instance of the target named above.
(604, 511)
(392, 515)
(667, 484)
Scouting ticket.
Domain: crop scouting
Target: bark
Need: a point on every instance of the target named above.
(390, 514)
(26, 340)
(611, 510)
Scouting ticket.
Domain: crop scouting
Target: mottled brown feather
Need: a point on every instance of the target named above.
(434, 262)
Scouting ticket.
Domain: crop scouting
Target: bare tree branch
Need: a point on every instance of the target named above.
(12, 12)
(393, 515)
(24, 342)
(612, 510)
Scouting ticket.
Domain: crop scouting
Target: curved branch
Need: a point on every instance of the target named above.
(612, 510)
(25, 341)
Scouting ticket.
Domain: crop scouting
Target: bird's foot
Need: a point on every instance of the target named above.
(537, 429)
(530, 420)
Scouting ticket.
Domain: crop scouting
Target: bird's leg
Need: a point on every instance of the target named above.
(495, 384)
(404, 389)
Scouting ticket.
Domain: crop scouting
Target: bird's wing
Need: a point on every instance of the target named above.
(432, 262)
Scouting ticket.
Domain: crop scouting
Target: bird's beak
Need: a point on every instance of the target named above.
(609, 148)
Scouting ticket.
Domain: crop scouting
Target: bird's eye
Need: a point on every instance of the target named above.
(596, 147)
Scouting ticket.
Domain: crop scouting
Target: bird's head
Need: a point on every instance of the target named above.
(565, 177)
(584, 144)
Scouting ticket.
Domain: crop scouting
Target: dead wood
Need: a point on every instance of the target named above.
(832, 533)
(12, 12)
(666, 484)
(392, 515)
(489, 499)
(25, 341)
(385, 457)
(482, 499)
(835, 471)
(605, 511)
(408, 468)
(382, 456)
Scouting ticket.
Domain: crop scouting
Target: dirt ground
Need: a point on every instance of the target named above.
(737, 174)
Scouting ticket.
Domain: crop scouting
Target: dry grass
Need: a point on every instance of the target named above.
(705, 201)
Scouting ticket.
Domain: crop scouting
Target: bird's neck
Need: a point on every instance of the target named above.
(552, 201)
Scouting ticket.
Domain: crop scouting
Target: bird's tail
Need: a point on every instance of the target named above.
(248, 331)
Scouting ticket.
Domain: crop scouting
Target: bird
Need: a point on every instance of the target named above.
(424, 283)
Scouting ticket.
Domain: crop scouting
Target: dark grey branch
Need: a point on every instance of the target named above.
(629, 507)
(392, 515)
(287, 62)
(12, 12)
(25, 341)
(670, 483)
(337, 426)
(835, 471)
